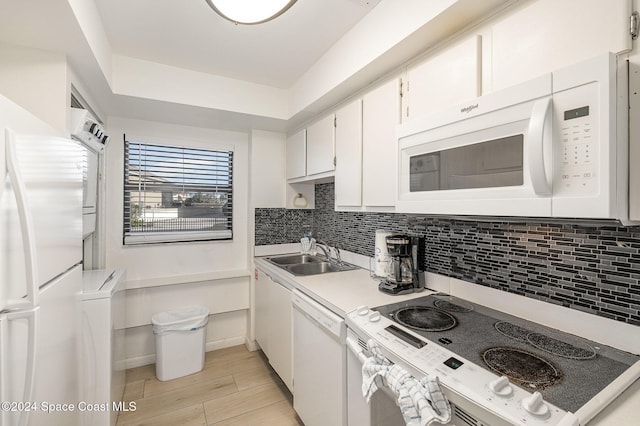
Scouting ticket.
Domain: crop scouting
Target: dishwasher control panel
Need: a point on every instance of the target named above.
(322, 316)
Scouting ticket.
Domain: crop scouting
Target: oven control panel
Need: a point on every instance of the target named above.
(464, 383)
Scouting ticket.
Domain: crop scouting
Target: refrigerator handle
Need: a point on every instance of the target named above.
(26, 222)
(31, 315)
(3, 162)
(4, 345)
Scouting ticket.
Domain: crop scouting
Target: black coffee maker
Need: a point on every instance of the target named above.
(403, 276)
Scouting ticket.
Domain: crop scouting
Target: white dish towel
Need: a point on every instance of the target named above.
(421, 401)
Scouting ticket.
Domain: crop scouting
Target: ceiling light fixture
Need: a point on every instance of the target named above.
(250, 12)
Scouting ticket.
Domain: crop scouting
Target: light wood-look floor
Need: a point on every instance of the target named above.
(236, 387)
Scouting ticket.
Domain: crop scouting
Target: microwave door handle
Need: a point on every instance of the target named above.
(539, 136)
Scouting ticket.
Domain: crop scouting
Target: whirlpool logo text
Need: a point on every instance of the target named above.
(469, 108)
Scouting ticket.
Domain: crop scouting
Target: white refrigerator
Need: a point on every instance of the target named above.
(40, 271)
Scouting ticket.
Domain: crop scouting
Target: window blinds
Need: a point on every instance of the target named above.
(176, 194)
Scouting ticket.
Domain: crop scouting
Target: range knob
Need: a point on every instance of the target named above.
(374, 317)
(501, 387)
(535, 405)
(362, 310)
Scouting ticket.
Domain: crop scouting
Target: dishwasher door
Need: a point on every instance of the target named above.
(319, 363)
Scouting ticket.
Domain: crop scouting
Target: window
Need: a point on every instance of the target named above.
(176, 194)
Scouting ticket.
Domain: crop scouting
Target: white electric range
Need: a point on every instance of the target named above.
(496, 368)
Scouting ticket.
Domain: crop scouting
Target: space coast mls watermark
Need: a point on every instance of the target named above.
(57, 407)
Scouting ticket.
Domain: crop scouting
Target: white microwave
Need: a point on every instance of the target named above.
(556, 146)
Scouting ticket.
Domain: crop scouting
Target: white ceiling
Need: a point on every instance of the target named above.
(189, 34)
(300, 53)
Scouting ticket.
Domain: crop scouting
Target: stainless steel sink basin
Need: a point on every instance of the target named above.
(313, 268)
(295, 258)
(305, 264)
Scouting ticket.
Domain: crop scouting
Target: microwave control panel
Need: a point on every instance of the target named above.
(577, 136)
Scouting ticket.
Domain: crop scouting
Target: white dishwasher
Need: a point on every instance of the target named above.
(319, 363)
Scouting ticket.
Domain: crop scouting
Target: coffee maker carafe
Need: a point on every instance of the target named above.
(402, 276)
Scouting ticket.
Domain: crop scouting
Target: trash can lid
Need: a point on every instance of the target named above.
(179, 316)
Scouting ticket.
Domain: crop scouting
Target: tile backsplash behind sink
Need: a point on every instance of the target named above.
(592, 269)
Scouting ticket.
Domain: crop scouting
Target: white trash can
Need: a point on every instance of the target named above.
(180, 338)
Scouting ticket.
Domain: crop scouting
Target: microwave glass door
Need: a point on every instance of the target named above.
(487, 164)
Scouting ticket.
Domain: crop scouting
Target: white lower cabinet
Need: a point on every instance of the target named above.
(273, 325)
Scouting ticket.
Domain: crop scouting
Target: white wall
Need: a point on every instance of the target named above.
(149, 80)
(166, 276)
(268, 169)
(37, 81)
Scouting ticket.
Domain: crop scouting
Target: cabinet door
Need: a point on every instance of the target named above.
(444, 79)
(380, 116)
(297, 155)
(320, 146)
(541, 37)
(348, 178)
(261, 290)
(281, 333)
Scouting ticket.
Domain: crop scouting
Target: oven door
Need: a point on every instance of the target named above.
(382, 410)
(495, 161)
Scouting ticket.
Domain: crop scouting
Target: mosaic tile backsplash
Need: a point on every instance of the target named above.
(592, 269)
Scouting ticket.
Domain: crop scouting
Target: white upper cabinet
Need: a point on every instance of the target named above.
(348, 174)
(297, 155)
(444, 79)
(380, 116)
(320, 146)
(548, 34)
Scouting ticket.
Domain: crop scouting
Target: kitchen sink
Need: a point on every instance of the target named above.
(313, 268)
(295, 258)
(305, 264)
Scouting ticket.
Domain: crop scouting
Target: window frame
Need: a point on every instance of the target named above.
(132, 238)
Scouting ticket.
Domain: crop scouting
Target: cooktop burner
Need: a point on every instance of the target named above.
(453, 306)
(512, 331)
(563, 348)
(521, 367)
(425, 318)
(560, 348)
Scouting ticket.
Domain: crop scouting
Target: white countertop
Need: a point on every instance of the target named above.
(102, 283)
(343, 292)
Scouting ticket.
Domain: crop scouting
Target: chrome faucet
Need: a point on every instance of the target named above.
(326, 249)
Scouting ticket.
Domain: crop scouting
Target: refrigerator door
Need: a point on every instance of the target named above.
(49, 194)
(18, 336)
(17, 254)
(58, 361)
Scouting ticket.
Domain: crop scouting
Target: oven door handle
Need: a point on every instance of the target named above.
(538, 150)
(356, 349)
